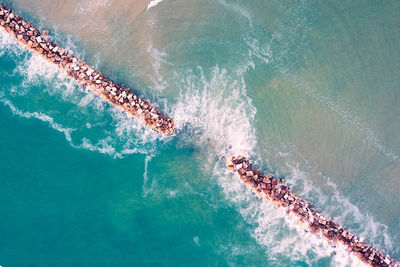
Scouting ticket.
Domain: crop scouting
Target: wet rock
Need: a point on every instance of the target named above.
(81, 76)
(306, 213)
(89, 72)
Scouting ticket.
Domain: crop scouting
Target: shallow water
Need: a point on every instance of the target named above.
(307, 89)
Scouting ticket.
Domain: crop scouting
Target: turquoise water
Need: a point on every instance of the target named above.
(307, 89)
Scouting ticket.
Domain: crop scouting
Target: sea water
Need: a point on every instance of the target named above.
(307, 89)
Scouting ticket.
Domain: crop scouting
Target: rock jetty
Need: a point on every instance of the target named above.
(272, 189)
(119, 96)
(267, 186)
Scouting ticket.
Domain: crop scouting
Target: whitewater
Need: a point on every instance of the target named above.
(217, 114)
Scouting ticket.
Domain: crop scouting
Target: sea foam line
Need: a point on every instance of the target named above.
(84, 74)
(238, 10)
(40, 116)
(268, 187)
(128, 135)
(104, 146)
(34, 67)
(212, 115)
(298, 27)
(367, 135)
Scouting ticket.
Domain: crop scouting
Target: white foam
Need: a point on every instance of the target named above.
(220, 114)
(145, 178)
(196, 240)
(238, 10)
(128, 136)
(153, 3)
(279, 233)
(261, 51)
(277, 51)
(368, 227)
(340, 209)
(103, 145)
(107, 146)
(127, 127)
(217, 121)
(294, 26)
(37, 67)
(249, 65)
(292, 29)
(36, 70)
(8, 44)
(87, 99)
(333, 204)
(158, 59)
(89, 6)
(40, 116)
(358, 128)
(217, 113)
(172, 193)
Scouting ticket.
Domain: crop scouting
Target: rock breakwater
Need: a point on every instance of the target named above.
(267, 186)
(272, 189)
(119, 96)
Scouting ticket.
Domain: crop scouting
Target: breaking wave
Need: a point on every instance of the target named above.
(284, 238)
(153, 3)
(215, 112)
(43, 92)
(220, 120)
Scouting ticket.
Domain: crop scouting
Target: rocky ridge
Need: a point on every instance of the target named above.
(119, 96)
(267, 186)
(272, 189)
